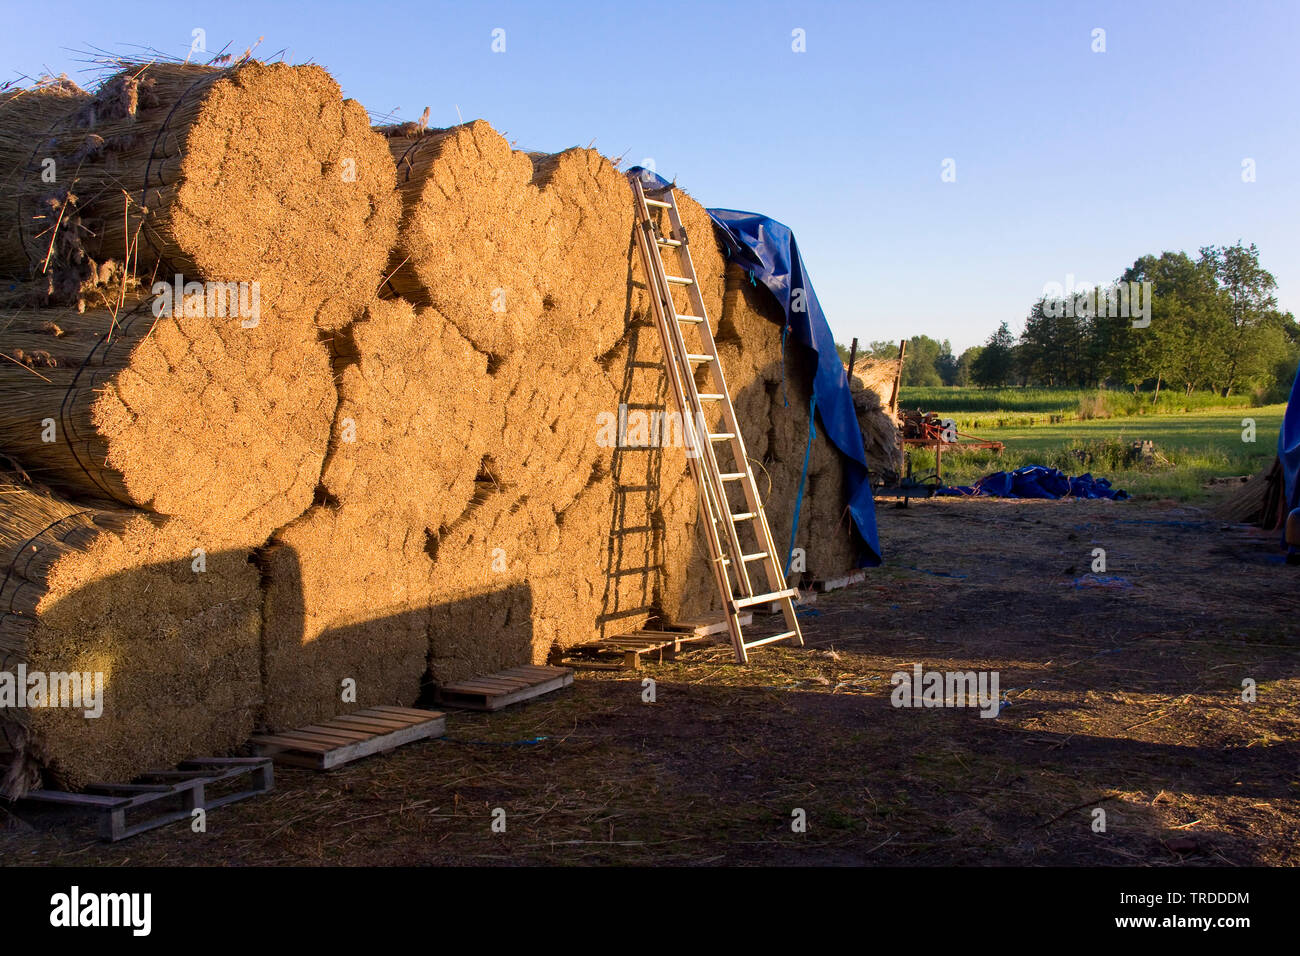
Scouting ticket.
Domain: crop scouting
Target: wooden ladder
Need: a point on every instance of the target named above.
(729, 531)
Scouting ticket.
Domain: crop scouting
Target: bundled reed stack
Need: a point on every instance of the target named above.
(27, 117)
(172, 632)
(434, 485)
(255, 172)
(872, 384)
(503, 245)
(182, 414)
(349, 582)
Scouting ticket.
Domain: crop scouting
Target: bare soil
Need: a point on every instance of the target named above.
(1123, 689)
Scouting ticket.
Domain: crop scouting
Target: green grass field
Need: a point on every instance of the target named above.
(1196, 446)
(975, 408)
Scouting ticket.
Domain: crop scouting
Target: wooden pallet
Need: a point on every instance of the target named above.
(349, 737)
(629, 651)
(843, 581)
(510, 686)
(200, 784)
(708, 626)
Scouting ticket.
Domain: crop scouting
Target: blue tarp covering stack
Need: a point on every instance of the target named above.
(1288, 453)
(1288, 446)
(767, 250)
(1038, 481)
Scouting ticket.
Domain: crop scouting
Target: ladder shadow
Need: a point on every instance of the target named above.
(633, 559)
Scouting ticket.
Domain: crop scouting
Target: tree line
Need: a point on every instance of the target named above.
(1170, 321)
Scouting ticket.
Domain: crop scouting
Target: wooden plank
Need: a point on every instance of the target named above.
(476, 682)
(494, 683)
(130, 788)
(475, 687)
(329, 739)
(289, 743)
(542, 670)
(366, 723)
(386, 720)
(413, 714)
(503, 677)
(587, 665)
(338, 732)
(88, 800)
(530, 676)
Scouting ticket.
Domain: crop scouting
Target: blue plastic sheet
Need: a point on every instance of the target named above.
(768, 251)
(1288, 446)
(1038, 481)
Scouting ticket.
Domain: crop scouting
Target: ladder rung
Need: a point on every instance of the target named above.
(743, 516)
(692, 356)
(668, 242)
(679, 280)
(656, 202)
(690, 318)
(722, 436)
(755, 556)
(711, 397)
(770, 640)
(732, 475)
(765, 598)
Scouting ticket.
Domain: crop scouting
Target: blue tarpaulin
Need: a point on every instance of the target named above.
(1038, 481)
(1288, 446)
(768, 251)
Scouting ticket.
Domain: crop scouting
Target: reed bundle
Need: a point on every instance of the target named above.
(92, 590)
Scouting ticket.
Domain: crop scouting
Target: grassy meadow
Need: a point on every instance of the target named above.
(1197, 438)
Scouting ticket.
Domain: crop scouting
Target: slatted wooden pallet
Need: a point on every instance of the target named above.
(708, 626)
(629, 651)
(169, 795)
(349, 737)
(510, 686)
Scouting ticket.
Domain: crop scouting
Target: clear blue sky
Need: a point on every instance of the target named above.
(1067, 161)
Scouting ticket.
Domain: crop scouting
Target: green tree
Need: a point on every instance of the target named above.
(963, 376)
(1185, 339)
(1054, 347)
(919, 365)
(1248, 342)
(996, 363)
(946, 364)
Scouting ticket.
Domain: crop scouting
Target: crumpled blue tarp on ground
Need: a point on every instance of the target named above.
(1038, 481)
(768, 251)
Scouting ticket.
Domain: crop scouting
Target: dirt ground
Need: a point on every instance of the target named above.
(1123, 692)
